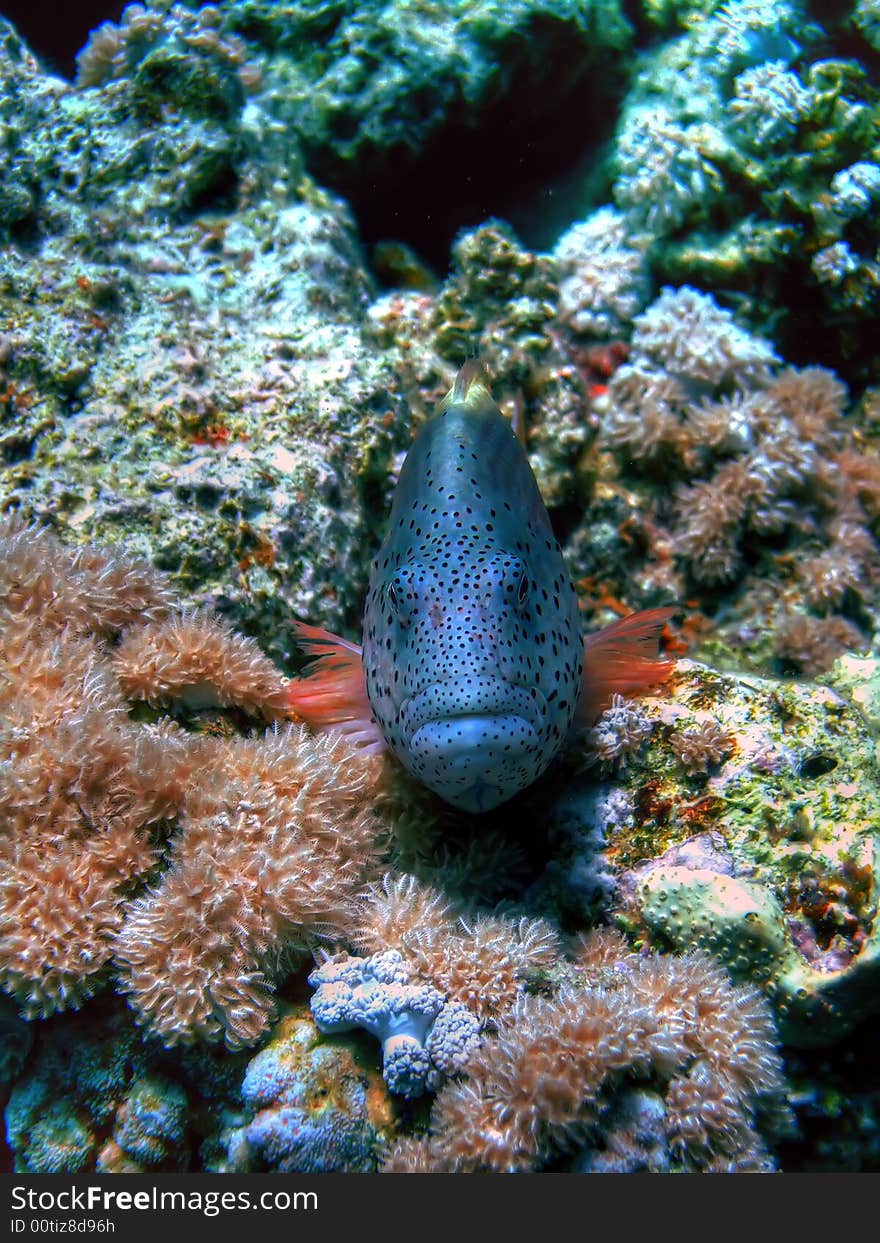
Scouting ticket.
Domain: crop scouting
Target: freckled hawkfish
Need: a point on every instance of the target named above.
(473, 667)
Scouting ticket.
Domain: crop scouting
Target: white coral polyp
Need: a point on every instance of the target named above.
(768, 103)
(689, 334)
(665, 168)
(603, 274)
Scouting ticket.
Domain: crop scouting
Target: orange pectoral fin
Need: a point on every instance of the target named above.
(332, 695)
(622, 659)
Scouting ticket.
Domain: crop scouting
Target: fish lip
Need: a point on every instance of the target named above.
(482, 796)
(472, 696)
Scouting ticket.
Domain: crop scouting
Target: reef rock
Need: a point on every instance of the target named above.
(744, 824)
(319, 1104)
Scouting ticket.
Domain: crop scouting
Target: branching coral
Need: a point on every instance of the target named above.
(542, 1085)
(760, 470)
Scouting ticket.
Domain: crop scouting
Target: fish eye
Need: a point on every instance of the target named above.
(522, 590)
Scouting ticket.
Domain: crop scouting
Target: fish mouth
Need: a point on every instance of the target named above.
(472, 699)
(474, 740)
(475, 761)
(453, 740)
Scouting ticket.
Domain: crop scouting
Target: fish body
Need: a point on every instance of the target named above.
(472, 647)
(473, 665)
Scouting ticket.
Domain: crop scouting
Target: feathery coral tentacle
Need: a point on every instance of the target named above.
(196, 657)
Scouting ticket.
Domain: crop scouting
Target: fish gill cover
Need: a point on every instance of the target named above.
(245, 253)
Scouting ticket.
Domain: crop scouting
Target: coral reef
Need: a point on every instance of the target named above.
(168, 47)
(228, 456)
(423, 1037)
(745, 827)
(500, 302)
(547, 1080)
(96, 1096)
(207, 385)
(269, 859)
(148, 401)
(681, 461)
(181, 310)
(384, 95)
(318, 1106)
(80, 790)
(479, 961)
(232, 873)
(168, 134)
(603, 279)
(761, 473)
(746, 151)
(266, 865)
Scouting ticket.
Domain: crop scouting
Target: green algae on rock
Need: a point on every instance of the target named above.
(115, 148)
(767, 858)
(216, 407)
(371, 87)
(857, 679)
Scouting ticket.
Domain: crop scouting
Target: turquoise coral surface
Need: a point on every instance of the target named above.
(244, 250)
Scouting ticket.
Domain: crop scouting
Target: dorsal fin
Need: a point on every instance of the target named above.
(471, 388)
(470, 373)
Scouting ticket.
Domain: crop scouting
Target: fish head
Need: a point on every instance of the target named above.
(456, 677)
